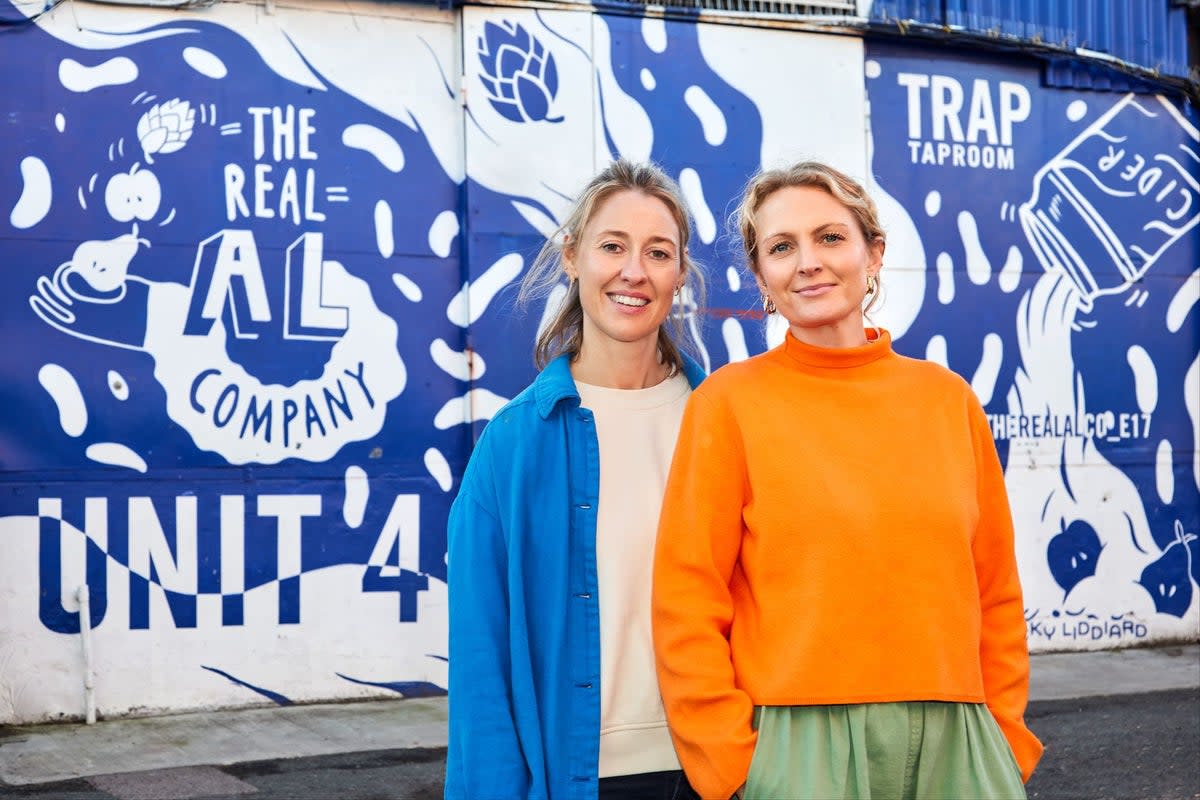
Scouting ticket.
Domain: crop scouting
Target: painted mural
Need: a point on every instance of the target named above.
(238, 421)
(1060, 229)
(259, 298)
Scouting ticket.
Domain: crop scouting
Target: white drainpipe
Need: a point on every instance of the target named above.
(85, 632)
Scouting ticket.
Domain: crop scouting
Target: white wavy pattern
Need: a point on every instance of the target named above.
(473, 299)
(1145, 378)
(68, 399)
(358, 491)
(114, 72)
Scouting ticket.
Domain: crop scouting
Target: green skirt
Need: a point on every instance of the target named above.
(883, 751)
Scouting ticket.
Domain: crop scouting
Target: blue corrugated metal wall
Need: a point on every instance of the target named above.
(1148, 33)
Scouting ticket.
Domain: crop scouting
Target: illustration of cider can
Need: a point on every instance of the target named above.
(1108, 206)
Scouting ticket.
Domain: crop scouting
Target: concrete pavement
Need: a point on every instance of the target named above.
(37, 754)
(58, 752)
(1064, 676)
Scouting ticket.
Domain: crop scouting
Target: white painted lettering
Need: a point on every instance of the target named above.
(259, 113)
(235, 202)
(946, 100)
(306, 131)
(914, 83)
(1015, 105)
(981, 118)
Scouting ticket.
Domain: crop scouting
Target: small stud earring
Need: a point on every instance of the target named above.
(768, 304)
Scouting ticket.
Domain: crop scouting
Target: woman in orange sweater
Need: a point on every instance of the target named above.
(836, 606)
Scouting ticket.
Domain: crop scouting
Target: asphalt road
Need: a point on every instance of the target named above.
(1127, 747)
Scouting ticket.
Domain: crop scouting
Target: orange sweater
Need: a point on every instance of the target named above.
(835, 530)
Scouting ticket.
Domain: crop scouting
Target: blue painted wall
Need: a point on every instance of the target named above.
(259, 298)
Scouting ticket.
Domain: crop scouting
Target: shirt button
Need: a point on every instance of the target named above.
(584, 595)
(583, 686)
(584, 506)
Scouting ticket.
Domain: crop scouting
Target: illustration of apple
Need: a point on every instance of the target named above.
(133, 195)
(1073, 553)
(104, 263)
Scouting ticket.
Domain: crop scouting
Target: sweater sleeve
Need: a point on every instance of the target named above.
(484, 757)
(1003, 653)
(699, 537)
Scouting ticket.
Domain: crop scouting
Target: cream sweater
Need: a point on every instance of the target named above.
(636, 431)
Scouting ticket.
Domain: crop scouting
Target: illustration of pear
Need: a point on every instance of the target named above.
(1169, 579)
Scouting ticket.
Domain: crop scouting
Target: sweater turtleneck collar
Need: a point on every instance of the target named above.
(879, 344)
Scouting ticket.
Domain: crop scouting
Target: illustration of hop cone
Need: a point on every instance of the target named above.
(517, 72)
(166, 127)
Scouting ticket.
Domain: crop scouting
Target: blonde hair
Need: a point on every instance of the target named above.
(817, 175)
(564, 333)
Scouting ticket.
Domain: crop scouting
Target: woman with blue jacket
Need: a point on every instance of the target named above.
(553, 694)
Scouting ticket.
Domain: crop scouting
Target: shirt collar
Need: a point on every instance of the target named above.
(879, 344)
(555, 383)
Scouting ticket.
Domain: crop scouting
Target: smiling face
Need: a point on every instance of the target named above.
(628, 262)
(813, 261)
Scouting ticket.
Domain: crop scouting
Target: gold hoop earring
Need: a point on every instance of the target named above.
(872, 284)
(768, 304)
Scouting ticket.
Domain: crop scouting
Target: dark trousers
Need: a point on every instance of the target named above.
(648, 786)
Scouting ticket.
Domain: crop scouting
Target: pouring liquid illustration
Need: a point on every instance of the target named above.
(1105, 188)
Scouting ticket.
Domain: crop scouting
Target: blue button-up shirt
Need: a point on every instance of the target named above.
(524, 616)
